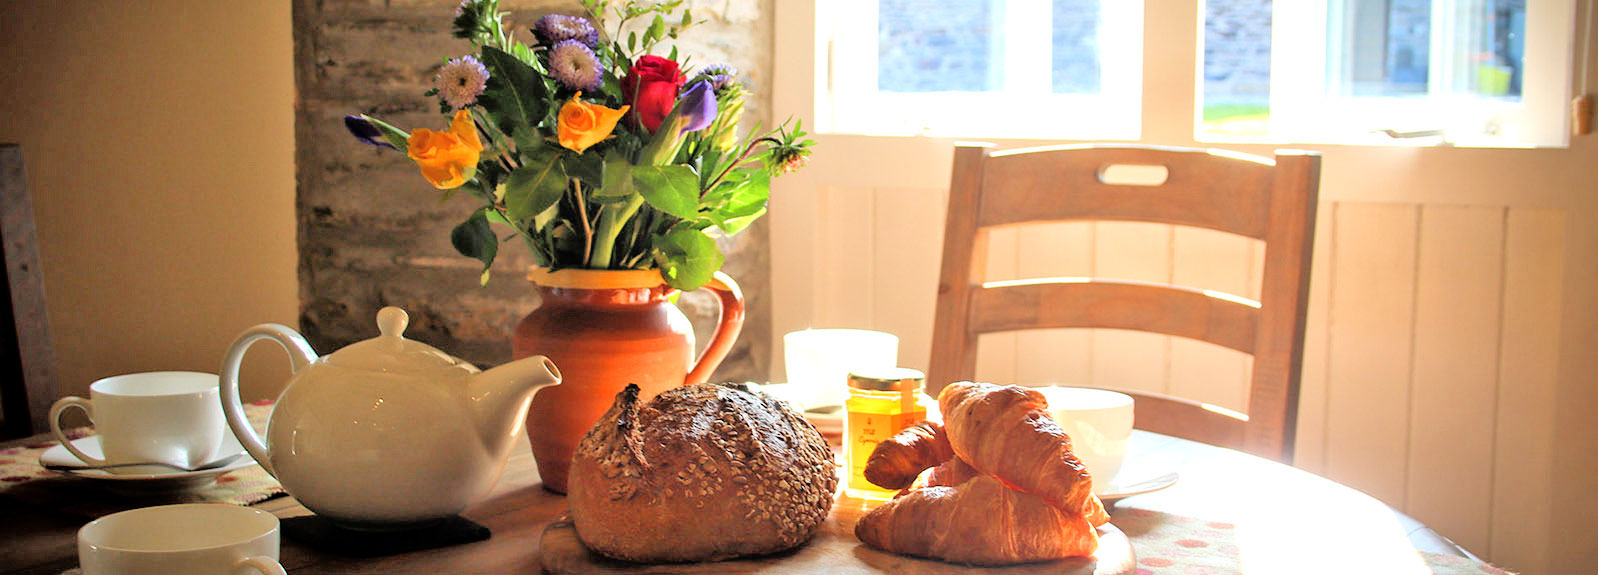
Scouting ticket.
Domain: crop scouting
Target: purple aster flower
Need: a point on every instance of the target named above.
(574, 65)
(697, 106)
(364, 131)
(461, 81)
(719, 75)
(556, 28)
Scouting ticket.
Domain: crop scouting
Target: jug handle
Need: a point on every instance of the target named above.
(721, 340)
(300, 355)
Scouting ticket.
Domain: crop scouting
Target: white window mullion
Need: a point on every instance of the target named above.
(1121, 53)
(1027, 45)
(1299, 34)
(1445, 39)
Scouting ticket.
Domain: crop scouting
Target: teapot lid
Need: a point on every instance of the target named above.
(390, 352)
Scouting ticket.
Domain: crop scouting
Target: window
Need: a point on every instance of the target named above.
(1464, 72)
(954, 67)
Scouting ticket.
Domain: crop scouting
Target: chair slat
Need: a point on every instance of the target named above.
(1225, 193)
(1187, 419)
(1067, 303)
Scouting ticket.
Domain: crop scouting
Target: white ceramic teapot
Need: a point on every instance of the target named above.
(386, 432)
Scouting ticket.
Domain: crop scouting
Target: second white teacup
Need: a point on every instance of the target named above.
(172, 417)
(193, 539)
(1099, 422)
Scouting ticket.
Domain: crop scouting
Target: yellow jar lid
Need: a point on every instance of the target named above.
(890, 379)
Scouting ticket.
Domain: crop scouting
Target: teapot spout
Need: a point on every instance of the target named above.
(500, 396)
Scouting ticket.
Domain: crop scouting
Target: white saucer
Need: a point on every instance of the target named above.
(157, 478)
(1121, 488)
(827, 419)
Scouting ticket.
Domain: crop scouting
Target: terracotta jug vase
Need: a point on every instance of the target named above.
(606, 329)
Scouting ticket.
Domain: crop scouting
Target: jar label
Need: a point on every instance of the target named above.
(866, 430)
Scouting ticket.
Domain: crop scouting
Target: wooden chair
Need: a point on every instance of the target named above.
(27, 387)
(1249, 196)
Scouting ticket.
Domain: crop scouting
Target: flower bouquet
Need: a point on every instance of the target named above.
(596, 151)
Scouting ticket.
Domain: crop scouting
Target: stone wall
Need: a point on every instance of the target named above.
(372, 232)
(1237, 52)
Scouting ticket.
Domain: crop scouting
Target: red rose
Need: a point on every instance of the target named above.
(650, 87)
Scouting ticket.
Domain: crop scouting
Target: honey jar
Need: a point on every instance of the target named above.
(881, 403)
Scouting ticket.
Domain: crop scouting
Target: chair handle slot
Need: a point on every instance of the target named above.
(1147, 175)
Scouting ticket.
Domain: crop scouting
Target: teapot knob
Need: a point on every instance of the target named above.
(391, 321)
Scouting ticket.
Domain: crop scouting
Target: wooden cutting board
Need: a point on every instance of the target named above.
(834, 550)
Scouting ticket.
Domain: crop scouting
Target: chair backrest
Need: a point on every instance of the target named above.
(27, 387)
(1255, 197)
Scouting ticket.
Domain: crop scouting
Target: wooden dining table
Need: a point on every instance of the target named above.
(1227, 512)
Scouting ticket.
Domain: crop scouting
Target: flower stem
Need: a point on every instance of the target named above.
(612, 218)
(735, 163)
(582, 212)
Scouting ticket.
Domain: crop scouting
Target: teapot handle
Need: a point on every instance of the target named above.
(300, 355)
(721, 340)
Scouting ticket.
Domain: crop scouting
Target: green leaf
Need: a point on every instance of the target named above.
(618, 180)
(534, 187)
(515, 94)
(739, 200)
(688, 258)
(400, 139)
(474, 238)
(672, 189)
(590, 168)
(495, 217)
(657, 28)
(734, 225)
(528, 142)
(522, 52)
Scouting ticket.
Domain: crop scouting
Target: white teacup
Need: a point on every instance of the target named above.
(1099, 422)
(172, 417)
(194, 539)
(818, 361)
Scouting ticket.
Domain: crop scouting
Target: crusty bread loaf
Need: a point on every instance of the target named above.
(700, 473)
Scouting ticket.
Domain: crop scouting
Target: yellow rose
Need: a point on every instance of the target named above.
(583, 124)
(447, 158)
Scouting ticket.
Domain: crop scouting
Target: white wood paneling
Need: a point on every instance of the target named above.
(907, 245)
(1131, 251)
(1459, 283)
(1055, 356)
(1534, 260)
(1373, 304)
(1212, 260)
(996, 351)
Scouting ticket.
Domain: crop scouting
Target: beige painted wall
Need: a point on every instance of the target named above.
(159, 145)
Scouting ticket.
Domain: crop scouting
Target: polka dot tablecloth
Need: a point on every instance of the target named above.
(1169, 544)
(22, 477)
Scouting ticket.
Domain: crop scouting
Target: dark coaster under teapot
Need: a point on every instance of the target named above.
(323, 535)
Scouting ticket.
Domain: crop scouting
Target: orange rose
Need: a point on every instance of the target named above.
(447, 158)
(583, 124)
